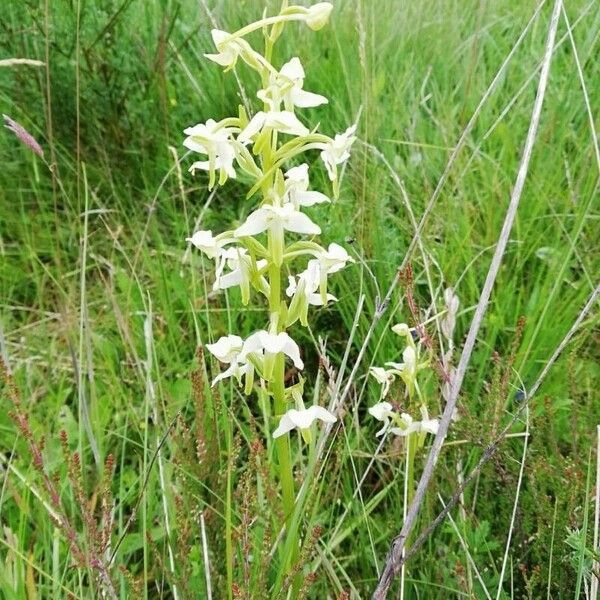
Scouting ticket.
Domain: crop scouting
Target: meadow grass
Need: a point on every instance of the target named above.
(102, 309)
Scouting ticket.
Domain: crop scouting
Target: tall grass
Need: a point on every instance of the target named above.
(102, 309)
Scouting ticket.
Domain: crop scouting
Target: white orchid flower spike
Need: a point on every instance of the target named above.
(302, 419)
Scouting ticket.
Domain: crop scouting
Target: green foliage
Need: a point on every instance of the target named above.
(125, 78)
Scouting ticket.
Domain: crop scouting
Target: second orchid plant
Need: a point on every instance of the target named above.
(274, 253)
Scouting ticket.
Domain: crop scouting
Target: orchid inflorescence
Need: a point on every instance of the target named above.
(403, 424)
(265, 147)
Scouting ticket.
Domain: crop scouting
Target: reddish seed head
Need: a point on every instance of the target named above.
(23, 135)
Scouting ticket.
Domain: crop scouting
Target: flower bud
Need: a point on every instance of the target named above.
(317, 15)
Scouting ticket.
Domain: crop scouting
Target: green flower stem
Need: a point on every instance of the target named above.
(283, 443)
(263, 23)
(277, 382)
(412, 442)
(278, 392)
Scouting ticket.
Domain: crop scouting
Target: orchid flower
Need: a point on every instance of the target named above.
(403, 423)
(296, 188)
(448, 323)
(304, 293)
(331, 260)
(334, 258)
(213, 247)
(272, 344)
(283, 121)
(213, 139)
(408, 425)
(205, 136)
(287, 86)
(276, 219)
(383, 377)
(382, 411)
(230, 48)
(228, 349)
(257, 351)
(243, 270)
(337, 151)
(302, 419)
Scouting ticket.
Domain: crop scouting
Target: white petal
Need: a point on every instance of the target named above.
(320, 413)
(194, 145)
(396, 366)
(286, 122)
(231, 279)
(310, 198)
(292, 286)
(201, 165)
(410, 358)
(400, 432)
(226, 347)
(329, 162)
(303, 99)
(204, 241)
(285, 425)
(298, 175)
(293, 351)
(224, 375)
(382, 430)
(317, 300)
(430, 426)
(254, 126)
(256, 223)
(219, 36)
(252, 344)
(271, 342)
(300, 223)
(222, 59)
(293, 69)
(381, 411)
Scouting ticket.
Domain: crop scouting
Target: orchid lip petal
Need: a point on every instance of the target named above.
(302, 419)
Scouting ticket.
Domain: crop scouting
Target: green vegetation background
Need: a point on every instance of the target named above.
(124, 79)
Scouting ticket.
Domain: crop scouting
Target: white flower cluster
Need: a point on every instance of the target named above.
(402, 424)
(253, 255)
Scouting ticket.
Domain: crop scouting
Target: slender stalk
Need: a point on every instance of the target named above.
(282, 443)
(263, 23)
(277, 383)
